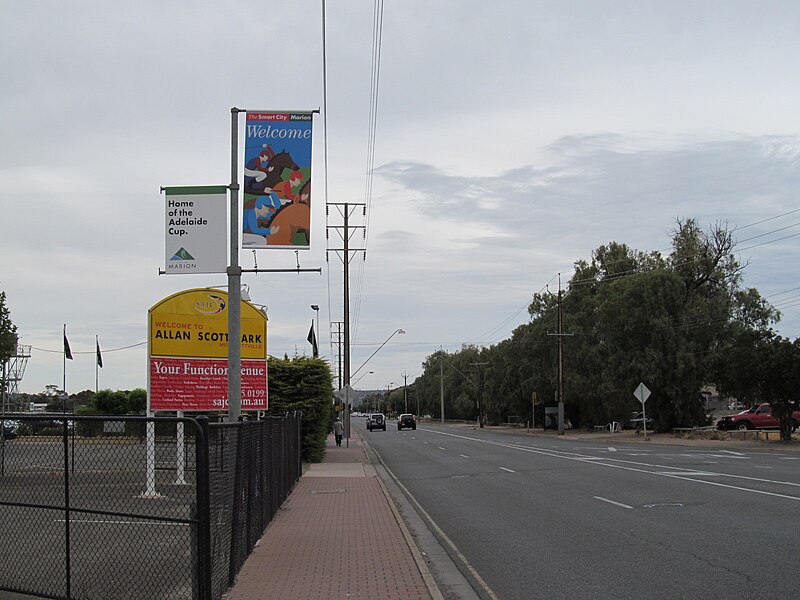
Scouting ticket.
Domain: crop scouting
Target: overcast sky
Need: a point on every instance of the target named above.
(513, 138)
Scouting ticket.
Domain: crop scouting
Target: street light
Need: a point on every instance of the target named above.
(396, 331)
(405, 392)
(315, 308)
(362, 377)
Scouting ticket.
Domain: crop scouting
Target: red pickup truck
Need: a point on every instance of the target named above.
(758, 417)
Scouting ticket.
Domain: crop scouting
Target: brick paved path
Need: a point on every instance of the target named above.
(335, 537)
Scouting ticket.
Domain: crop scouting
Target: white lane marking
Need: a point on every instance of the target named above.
(509, 470)
(612, 449)
(763, 467)
(687, 473)
(787, 458)
(740, 456)
(620, 504)
(440, 448)
(463, 456)
(610, 464)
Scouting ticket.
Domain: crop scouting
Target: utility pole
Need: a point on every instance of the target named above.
(405, 391)
(560, 336)
(441, 382)
(479, 366)
(338, 333)
(345, 231)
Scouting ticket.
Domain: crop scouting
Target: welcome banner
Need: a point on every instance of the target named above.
(277, 180)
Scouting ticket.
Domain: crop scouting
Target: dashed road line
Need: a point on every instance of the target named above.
(614, 502)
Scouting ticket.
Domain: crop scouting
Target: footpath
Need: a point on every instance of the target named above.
(338, 535)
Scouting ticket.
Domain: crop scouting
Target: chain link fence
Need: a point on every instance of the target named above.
(135, 507)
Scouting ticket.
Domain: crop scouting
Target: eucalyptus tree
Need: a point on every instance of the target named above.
(778, 367)
(8, 331)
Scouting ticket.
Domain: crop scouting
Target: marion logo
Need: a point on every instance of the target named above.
(182, 254)
(212, 306)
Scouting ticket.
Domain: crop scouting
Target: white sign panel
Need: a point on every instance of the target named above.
(642, 393)
(196, 228)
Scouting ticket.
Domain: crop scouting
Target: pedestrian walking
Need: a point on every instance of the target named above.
(338, 430)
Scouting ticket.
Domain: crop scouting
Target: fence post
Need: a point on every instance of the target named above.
(67, 513)
(204, 565)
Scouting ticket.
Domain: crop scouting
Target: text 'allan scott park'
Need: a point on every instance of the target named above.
(204, 336)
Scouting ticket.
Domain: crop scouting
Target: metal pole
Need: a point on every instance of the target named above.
(346, 240)
(405, 392)
(560, 363)
(96, 366)
(441, 382)
(64, 374)
(234, 284)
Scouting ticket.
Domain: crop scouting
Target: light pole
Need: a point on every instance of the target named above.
(405, 392)
(388, 385)
(362, 377)
(395, 332)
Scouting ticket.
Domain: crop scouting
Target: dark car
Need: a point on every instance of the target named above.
(9, 430)
(406, 420)
(376, 421)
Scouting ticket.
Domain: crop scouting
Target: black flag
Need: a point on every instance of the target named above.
(67, 351)
(312, 339)
(99, 356)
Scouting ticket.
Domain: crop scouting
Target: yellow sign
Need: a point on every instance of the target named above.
(194, 323)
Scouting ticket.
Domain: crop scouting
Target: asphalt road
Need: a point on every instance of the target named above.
(547, 517)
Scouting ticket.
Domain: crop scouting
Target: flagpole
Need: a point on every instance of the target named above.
(64, 371)
(96, 364)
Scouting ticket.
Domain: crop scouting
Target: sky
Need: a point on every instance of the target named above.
(511, 139)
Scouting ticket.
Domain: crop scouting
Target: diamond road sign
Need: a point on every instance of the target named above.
(642, 393)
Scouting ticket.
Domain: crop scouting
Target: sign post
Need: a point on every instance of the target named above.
(642, 394)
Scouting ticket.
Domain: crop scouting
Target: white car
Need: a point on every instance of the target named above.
(376, 421)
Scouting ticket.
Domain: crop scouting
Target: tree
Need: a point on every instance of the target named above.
(8, 331)
(779, 366)
(306, 385)
(8, 343)
(732, 362)
(675, 322)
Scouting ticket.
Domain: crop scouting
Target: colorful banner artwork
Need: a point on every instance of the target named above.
(277, 180)
(188, 353)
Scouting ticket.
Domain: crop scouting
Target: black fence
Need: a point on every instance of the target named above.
(134, 507)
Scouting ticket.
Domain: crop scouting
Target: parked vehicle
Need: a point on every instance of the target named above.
(406, 420)
(758, 417)
(9, 430)
(376, 421)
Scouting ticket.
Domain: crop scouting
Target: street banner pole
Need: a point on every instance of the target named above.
(234, 284)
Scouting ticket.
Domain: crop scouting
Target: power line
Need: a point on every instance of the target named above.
(105, 350)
